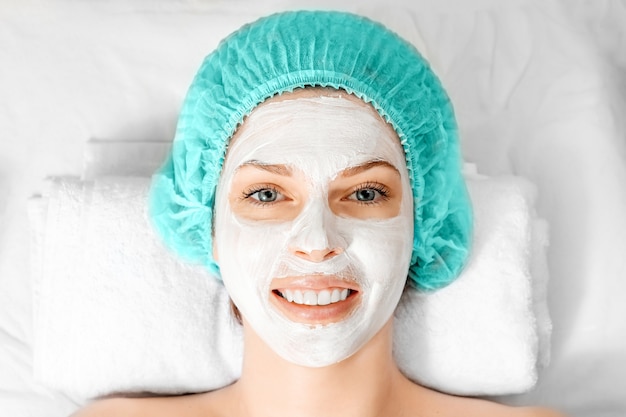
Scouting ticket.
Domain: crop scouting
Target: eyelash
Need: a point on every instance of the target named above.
(246, 194)
(380, 188)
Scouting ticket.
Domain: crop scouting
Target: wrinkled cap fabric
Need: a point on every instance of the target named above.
(290, 50)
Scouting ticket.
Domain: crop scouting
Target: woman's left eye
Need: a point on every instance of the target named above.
(366, 195)
(370, 193)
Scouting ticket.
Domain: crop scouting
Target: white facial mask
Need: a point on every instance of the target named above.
(319, 137)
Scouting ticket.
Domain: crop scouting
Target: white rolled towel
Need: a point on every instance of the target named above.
(116, 312)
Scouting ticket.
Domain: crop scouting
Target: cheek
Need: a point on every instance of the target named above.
(383, 249)
(248, 252)
(245, 259)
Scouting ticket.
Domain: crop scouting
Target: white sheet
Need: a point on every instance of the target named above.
(538, 88)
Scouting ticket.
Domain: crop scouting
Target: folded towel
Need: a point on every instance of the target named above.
(116, 312)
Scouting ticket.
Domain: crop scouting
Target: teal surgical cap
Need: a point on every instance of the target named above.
(289, 50)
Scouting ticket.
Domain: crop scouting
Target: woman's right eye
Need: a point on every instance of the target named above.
(265, 195)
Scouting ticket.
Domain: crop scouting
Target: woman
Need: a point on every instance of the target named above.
(316, 167)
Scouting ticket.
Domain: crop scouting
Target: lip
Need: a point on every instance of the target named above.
(314, 314)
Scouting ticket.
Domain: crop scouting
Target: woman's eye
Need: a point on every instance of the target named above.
(366, 194)
(265, 195)
(370, 193)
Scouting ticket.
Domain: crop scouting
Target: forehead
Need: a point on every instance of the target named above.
(315, 129)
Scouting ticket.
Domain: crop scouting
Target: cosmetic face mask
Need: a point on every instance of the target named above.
(317, 139)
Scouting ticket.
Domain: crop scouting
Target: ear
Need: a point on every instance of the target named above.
(215, 254)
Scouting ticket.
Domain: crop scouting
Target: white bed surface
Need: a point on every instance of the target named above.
(539, 89)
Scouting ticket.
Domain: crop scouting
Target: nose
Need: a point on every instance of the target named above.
(317, 255)
(314, 235)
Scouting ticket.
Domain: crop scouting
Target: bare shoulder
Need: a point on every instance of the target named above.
(485, 408)
(178, 406)
(539, 412)
(116, 407)
(440, 404)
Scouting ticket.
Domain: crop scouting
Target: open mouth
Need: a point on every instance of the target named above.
(315, 298)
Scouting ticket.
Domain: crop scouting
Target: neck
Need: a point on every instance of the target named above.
(366, 384)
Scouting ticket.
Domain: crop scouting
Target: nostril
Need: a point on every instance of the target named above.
(332, 253)
(318, 255)
(301, 254)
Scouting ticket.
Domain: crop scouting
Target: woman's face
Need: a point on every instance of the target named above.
(314, 224)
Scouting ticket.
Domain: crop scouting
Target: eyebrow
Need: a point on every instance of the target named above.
(357, 169)
(278, 169)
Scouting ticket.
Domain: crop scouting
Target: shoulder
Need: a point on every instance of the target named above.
(539, 412)
(114, 407)
(486, 408)
(440, 404)
(178, 406)
(209, 404)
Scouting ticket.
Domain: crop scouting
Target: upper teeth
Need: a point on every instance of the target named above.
(315, 298)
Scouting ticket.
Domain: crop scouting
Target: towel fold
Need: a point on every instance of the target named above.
(116, 312)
